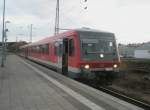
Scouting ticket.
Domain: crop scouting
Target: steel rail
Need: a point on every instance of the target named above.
(136, 102)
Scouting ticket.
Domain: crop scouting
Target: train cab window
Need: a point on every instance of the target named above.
(71, 47)
(110, 44)
(89, 46)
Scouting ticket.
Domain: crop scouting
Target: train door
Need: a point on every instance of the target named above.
(65, 56)
(62, 55)
(59, 53)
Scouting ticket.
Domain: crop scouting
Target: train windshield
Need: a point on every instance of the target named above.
(93, 46)
(98, 46)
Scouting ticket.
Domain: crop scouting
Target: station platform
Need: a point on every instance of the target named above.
(25, 85)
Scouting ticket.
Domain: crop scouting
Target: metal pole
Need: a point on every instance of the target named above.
(57, 18)
(5, 40)
(85, 6)
(31, 32)
(3, 35)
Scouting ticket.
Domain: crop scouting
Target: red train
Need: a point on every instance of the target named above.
(79, 53)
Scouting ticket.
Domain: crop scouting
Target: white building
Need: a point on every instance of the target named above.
(143, 51)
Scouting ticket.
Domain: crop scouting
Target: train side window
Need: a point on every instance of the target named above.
(56, 48)
(71, 47)
(36, 49)
(47, 48)
(32, 50)
(41, 49)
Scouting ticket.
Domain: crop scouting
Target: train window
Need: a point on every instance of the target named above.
(71, 47)
(60, 49)
(110, 44)
(40, 49)
(43, 49)
(88, 47)
(32, 49)
(37, 49)
(105, 45)
(56, 48)
(47, 48)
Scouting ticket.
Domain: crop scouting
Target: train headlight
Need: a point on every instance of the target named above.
(101, 55)
(115, 65)
(87, 66)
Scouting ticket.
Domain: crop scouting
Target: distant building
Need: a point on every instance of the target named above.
(126, 50)
(13, 46)
(143, 51)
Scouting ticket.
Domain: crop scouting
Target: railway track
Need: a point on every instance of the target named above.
(129, 99)
(138, 102)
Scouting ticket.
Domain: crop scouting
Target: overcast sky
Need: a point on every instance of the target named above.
(128, 19)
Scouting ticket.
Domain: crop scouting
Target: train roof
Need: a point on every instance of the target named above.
(84, 29)
(66, 33)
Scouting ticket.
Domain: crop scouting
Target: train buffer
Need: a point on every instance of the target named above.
(25, 85)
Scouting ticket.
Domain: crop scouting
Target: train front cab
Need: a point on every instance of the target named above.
(98, 55)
